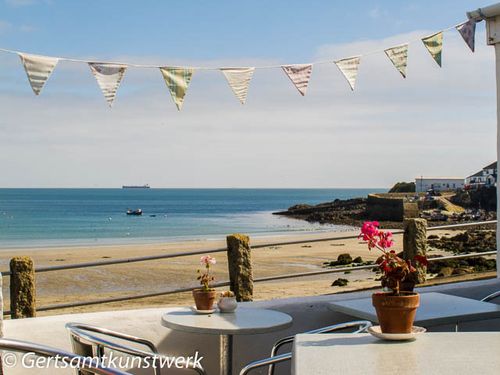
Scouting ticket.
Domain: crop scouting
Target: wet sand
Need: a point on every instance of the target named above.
(167, 274)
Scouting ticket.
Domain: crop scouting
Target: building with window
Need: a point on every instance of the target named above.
(423, 184)
(485, 177)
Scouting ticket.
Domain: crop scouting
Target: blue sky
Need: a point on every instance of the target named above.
(436, 122)
(284, 30)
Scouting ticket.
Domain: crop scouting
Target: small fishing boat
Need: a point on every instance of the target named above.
(137, 212)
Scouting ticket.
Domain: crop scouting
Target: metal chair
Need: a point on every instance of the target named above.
(275, 358)
(491, 296)
(85, 343)
(58, 354)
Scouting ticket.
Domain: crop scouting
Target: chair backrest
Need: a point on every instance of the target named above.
(491, 296)
(61, 355)
(85, 343)
(81, 331)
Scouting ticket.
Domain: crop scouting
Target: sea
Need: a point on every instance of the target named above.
(67, 217)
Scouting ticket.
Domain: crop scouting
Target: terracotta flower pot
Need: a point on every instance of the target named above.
(396, 313)
(204, 300)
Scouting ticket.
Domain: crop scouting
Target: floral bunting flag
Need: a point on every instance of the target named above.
(349, 68)
(239, 80)
(38, 69)
(434, 44)
(399, 57)
(177, 80)
(108, 78)
(299, 75)
(468, 32)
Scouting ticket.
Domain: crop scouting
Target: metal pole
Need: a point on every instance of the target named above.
(497, 63)
(493, 38)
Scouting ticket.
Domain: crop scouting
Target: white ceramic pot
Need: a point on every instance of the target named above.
(227, 304)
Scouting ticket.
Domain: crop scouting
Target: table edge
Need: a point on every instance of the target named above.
(245, 331)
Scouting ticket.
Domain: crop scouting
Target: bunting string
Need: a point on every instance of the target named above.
(177, 78)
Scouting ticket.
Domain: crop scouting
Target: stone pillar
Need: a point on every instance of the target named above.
(239, 262)
(415, 243)
(22, 288)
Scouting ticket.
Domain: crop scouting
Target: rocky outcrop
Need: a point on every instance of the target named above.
(484, 198)
(340, 282)
(342, 212)
(471, 241)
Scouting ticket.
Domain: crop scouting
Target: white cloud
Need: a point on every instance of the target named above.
(27, 28)
(377, 13)
(436, 122)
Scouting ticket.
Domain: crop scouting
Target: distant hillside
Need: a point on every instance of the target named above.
(403, 187)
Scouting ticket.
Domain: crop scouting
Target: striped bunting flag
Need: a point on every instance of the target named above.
(108, 78)
(38, 69)
(434, 44)
(299, 75)
(399, 57)
(239, 80)
(468, 32)
(177, 80)
(349, 68)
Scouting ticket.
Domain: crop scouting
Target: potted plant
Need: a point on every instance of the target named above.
(227, 302)
(204, 297)
(395, 309)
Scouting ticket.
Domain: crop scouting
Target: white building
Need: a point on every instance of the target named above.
(485, 177)
(423, 184)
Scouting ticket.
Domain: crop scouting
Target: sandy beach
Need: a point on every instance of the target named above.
(161, 275)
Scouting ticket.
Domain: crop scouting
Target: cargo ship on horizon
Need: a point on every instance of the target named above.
(146, 186)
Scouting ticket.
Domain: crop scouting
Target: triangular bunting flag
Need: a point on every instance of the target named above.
(349, 68)
(239, 79)
(38, 69)
(108, 78)
(468, 32)
(177, 80)
(399, 57)
(299, 75)
(434, 44)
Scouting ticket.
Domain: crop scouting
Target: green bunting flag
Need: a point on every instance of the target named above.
(177, 80)
(434, 44)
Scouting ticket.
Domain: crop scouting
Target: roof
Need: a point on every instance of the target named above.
(477, 174)
(491, 166)
(439, 178)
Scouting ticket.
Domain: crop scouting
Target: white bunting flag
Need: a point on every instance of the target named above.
(299, 75)
(399, 57)
(38, 69)
(239, 79)
(434, 45)
(108, 78)
(349, 68)
(468, 32)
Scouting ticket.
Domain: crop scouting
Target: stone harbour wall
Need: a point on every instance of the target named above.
(384, 207)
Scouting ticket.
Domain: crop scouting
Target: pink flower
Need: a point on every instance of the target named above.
(206, 260)
(369, 229)
(385, 239)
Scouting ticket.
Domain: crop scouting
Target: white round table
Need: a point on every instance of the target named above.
(244, 321)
